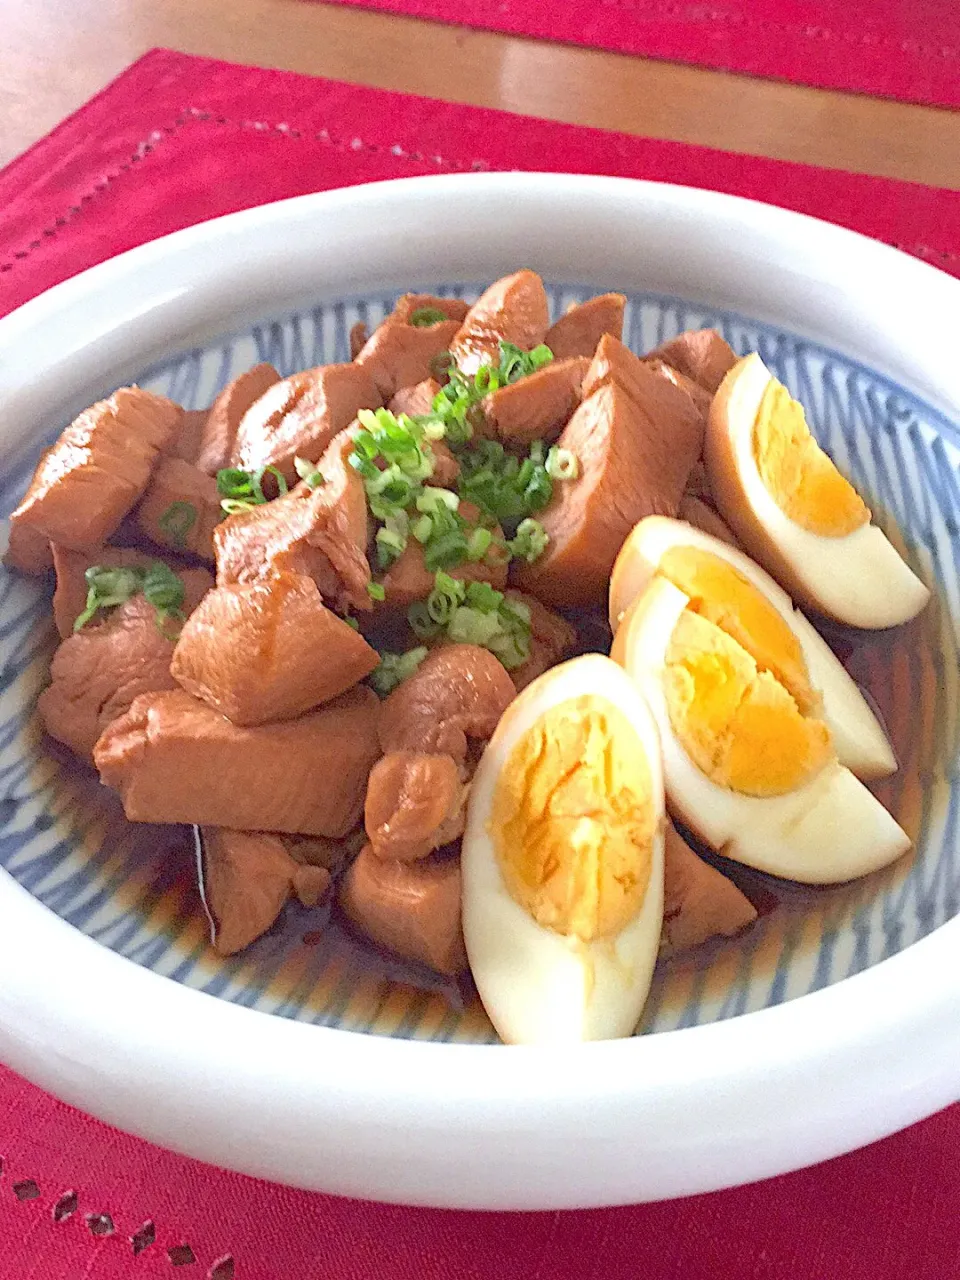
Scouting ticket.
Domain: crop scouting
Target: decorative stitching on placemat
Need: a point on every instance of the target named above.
(195, 115)
(101, 1225)
(809, 31)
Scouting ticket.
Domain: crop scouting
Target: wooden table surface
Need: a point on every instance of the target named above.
(54, 54)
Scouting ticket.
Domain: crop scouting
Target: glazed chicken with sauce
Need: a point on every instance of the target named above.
(295, 620)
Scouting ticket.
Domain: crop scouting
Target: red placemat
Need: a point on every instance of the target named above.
(906, 49)
(176, 140)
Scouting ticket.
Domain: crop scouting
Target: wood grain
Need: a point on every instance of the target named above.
(57, 53)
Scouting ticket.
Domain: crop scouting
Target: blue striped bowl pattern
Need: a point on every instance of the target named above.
(64, 838)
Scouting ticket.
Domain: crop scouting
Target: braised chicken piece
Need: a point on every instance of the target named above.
(699, 902)
(636, 438)
(536, 407)
(415, 804)
(300, 416)
(222, 420)
(28, 551)
(248, 878)
(321, 533)
(697, 513)
(88, 481)
(701, 398)
(411, 908)
(416, 400)
(401, 351)
(410, 305)
(269, 650)
(173, 758)
(358, 337)
(98, 671)
(578, 332)
(513, 309)
(458, 692)
(186, 445)
(700, 354)
(181, 508)
(552, 639)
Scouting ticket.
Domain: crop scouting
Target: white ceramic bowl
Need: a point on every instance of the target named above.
(479, 1125)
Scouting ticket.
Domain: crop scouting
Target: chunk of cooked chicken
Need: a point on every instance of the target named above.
(458, 692)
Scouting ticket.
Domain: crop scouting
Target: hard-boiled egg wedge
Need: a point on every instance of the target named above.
(730, 590)
(562, 859)
(793, 510)
(748, 763)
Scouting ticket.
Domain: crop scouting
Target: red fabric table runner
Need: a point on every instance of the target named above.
(906, 49)
(174, 141)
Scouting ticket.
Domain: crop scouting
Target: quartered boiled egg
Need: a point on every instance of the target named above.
(749, 762)
(793, 510)
(562, 859)
(728, 589)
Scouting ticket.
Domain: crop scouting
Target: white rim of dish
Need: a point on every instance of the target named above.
(773, 1090)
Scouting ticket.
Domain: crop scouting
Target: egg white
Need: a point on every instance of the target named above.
(539, 986)
(858, 578)
(829, 830)
(858, 736)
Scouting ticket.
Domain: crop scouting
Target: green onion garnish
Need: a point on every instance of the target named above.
(308, 471)
(561, 464)
(243, 490)
(426, 317)
(108, 587)
(177, 521)
(474, 613)
(530, 541)
(394, 668)
(505, 488)
(375, 591)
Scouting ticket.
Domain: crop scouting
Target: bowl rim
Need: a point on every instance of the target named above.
(804, 1066)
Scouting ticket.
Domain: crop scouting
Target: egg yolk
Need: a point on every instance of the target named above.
(737, 723)
(573, 820)
(721, 594)
(798, 475)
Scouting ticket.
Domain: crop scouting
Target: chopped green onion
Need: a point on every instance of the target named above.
(352, 623)
(243, 490)
(432, 499)
(480, 595)
(511, 647)
(394, 668)
(307, 471)
(471, 626)
(422, 625)
(478, 544)
(427, 317)
(390, 547)
(446, 595)
(177, 521)
(422, 529)
(530, 541)
(474, 614)
(108, 587)
(375, 591)
(446, 551)
(234, 483)
(561, 464)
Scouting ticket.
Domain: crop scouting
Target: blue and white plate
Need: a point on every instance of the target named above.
(132, 889)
